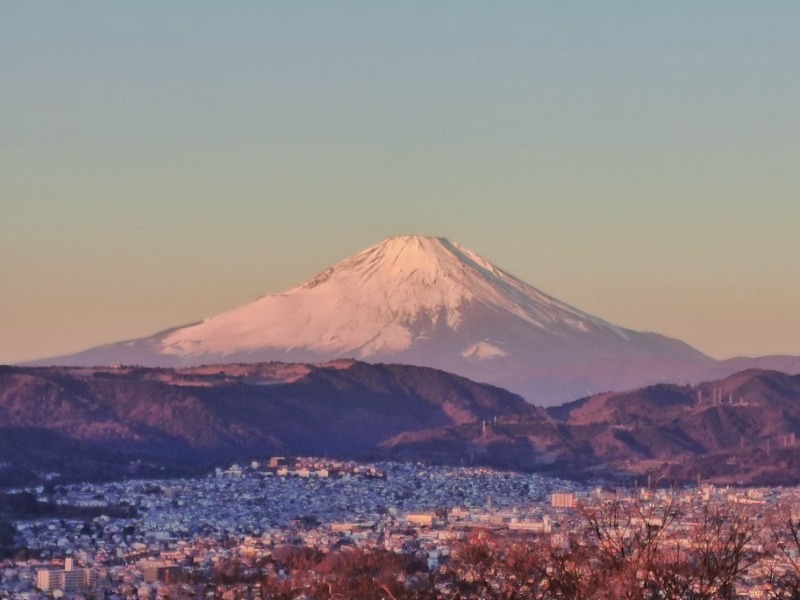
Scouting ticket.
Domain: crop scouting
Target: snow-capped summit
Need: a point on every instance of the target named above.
(426, 301)
(384, 299)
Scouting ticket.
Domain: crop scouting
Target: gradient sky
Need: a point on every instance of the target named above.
(161, 162)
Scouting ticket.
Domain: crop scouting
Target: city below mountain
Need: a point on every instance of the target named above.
(110, 422)
(430, 302)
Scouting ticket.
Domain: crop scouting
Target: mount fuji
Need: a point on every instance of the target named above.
(423, 301)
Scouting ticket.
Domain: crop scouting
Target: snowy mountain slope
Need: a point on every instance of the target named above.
(383, 300)
(424, 301)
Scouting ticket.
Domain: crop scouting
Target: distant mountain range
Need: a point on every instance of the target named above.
(427, 301)
(112, 422)
(94, 421)
(744, 428)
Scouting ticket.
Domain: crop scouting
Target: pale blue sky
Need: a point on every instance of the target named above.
(164, 161)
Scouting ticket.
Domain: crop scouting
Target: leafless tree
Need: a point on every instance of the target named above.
(622, 549)
(781, 565)
(722, 549)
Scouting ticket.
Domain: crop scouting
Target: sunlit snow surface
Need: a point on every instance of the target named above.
(383, 299)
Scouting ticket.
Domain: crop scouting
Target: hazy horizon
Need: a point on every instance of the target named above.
(161, 163)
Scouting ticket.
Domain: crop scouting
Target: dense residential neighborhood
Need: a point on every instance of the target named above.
(230, 533)
(246, 512)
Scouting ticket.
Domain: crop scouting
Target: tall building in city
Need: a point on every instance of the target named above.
(68, 580)
(563, 500)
